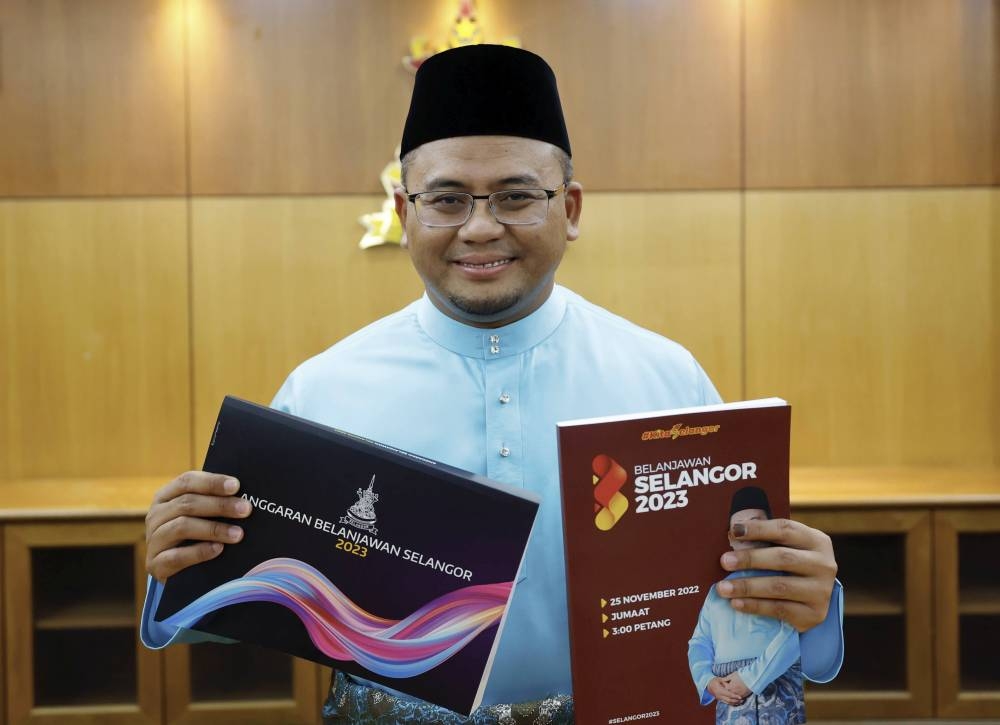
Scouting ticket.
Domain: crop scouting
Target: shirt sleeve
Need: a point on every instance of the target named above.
(156, 635)
(780, 654)
(701, 653)
(823, 645)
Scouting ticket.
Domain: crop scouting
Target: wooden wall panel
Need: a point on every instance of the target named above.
(995, 311)
(276, 281)
(871, 312)
(852, 93)
(650, 88)
(669, 262)
(310, 101)
(95, 333)
(7, 315)
(91, 98)
(313, 101)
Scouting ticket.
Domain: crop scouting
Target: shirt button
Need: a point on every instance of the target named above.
(505, 451)
(504, 398)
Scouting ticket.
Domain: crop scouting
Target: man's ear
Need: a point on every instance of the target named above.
(574, 205)
(402, 208)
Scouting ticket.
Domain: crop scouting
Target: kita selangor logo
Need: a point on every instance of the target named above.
(609, 503)
(362, 514)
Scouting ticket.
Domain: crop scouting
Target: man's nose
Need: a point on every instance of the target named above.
(481, 226)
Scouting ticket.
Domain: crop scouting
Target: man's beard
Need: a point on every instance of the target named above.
(488, 307)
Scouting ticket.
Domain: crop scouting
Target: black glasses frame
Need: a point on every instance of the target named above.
(549, 194)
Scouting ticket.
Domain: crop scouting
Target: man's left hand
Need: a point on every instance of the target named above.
(736, 684)
(801, 600)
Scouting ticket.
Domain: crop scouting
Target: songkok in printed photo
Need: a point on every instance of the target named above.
(484, 90)
(750, 497)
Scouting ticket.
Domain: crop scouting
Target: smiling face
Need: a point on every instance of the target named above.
(485, 273)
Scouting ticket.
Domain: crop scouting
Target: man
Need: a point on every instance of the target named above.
(748, 663)
(478, 371)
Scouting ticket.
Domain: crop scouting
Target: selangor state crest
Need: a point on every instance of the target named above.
(362, 514)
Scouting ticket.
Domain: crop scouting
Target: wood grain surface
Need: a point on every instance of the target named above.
(871, 312)
(856, 93)
(314, 101)
(955, 698)
(94, 333)
(670, 262)
(92, 98)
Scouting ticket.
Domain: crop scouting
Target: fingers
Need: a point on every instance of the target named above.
(726, 695)
(784, 533)
(187, 528)
(203, 482)
(196, 493)
(166, 550)
(800, 549)
(182, 511)
(801, 616)
(729, 690)
(776, 558)
(801, 600)
(767, 587)
(167, 553)
(169, 562)
(736, 685)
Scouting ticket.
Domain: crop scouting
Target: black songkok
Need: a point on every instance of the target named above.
(750, 497)
(484, 90)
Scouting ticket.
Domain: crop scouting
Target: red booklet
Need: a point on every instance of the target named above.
(648, 503)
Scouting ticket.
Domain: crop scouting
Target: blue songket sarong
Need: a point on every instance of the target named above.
(780, 703)
(353, 703)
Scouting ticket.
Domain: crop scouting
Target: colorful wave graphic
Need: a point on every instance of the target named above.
(344, 631)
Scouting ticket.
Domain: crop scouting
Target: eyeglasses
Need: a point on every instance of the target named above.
(510, 206)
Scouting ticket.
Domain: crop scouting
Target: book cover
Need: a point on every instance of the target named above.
(648, 501)
(358, 556)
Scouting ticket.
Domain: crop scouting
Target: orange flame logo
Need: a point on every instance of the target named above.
(609, 503)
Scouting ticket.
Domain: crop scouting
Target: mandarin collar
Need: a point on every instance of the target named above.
(490, 344)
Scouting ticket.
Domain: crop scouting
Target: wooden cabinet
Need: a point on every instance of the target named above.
(885, 566)
(967, 605)
(218, 683)
(919, 558)
(3, 643)
(71, 609)
(73, 579)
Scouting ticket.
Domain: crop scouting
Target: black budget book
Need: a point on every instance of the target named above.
(359, 556)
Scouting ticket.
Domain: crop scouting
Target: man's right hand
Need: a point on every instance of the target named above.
(721, 691)
(180, 513)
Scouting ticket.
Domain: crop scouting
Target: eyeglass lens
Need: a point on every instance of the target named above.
(449, 208)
